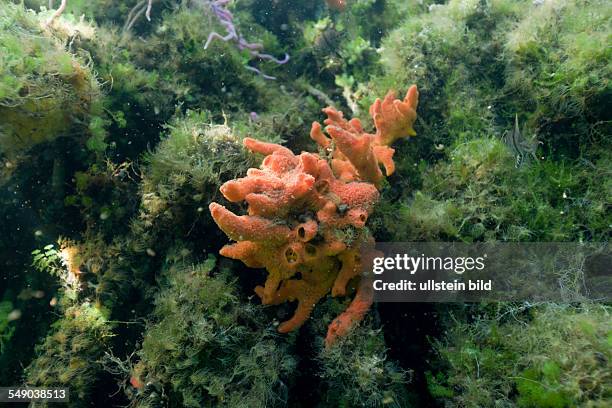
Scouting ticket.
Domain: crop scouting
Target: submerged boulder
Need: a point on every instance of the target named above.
(45, 89)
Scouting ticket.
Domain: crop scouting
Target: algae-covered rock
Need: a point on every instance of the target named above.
(558, 71)
(44, 88)
(357, 372)
(477, 193)
(554, 356)
(214, 78)
(481, 63)
(163, 71)
(512, 145)
(183, 174)
(545, 201)
(203, 153)
(67, 357)
(513, 106)
(205, 347)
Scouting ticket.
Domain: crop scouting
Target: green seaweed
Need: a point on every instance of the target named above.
(6, 329)
(554, 356)
(120, 138)
(358, 372)
(205, 347)
(45, 90)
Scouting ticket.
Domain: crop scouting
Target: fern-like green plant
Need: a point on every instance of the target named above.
(48, 260)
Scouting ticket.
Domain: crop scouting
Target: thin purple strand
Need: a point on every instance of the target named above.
(226, 18)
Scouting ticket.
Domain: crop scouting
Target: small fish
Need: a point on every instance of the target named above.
(522, 148)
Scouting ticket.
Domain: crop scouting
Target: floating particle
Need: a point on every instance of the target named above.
(14, 315)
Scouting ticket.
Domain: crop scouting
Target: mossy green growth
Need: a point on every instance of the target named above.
(214, 78)
(6, 329)
(480, 63)
(554, 356)
(205, 347)
(558, 68)
(476, 181)
(194, 148)
(478, 194)
(417, 216)
(448, 50)
(44, 89)
(67, 357)
(184, 173)
(356, 372)
(130, 85)
(545, 201)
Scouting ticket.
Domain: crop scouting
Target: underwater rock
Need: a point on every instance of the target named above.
(44, 89)
(546, 356)
(205, 347)
(183, 174)
(134, 214)
(358, 371)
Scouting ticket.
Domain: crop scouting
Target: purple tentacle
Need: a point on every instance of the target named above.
(258, 72)
(274, 59)
(226, 18)
(214, 35)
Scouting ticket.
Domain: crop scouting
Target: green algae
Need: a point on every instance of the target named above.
(166, 119)
(6, 330)
(553, 356)
(43, 87)
(358, 372)
(205, 347)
